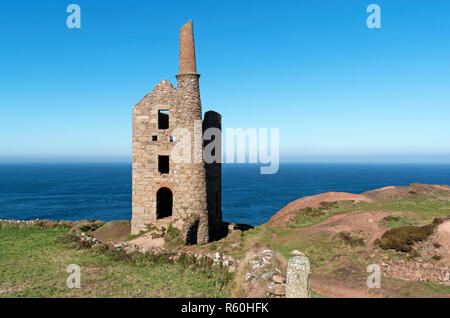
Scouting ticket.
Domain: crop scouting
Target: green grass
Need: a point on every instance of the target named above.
(395, 221)
(213, 247)
(436, 289)
(315, 295)
(319, 247)
(33, 264)
(131, 237)
(172, 237)
(311, 216)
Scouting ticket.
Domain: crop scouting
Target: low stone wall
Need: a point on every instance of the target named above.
(262, 275)
(18, 221)
(267, 275)
(217, 259)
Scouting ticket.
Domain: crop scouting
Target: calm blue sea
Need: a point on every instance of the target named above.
(103, 191)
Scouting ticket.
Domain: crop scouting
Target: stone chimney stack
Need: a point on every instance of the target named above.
(187, 50)
(191, 177)
(188, 79)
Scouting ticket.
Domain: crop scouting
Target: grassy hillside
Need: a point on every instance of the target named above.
(341, 238)
(33, 263)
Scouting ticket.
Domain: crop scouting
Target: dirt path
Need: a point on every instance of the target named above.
(368, 222)
(114, 231)
(146, 241)
(332, 287)
(351, 281)
(444, 240)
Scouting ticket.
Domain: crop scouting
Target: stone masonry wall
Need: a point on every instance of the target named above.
(188, 181)
(191, 177)
(214, 180)
(146, 177)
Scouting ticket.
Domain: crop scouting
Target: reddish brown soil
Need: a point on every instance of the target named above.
(343, 277)
(353, 284)
(396, 193)
(351, 287)
(443, 233)
(368, 223)
(289, 212)
(114, 231)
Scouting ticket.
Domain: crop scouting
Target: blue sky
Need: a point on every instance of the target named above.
(337, 90)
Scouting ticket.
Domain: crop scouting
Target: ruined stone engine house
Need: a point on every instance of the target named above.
(184, 195)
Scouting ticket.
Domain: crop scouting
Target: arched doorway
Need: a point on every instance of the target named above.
(164, 203)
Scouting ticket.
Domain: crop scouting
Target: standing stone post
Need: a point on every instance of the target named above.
(297, 278)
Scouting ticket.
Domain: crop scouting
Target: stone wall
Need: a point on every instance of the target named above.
(186, 180)
(146, 179)
(214, 179)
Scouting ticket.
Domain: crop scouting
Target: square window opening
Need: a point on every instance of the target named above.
(163, 164)
(163, 119)
(154, 138)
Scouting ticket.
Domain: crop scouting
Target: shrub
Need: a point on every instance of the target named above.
(413, 254)
(437, 257)
(213, 247)
(391, 218)
(401, 238)
(325, 205)
(53, 224)
(308, 215)
(349, 239)
(90, 226)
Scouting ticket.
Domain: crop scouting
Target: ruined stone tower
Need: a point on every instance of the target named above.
(165, 191)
